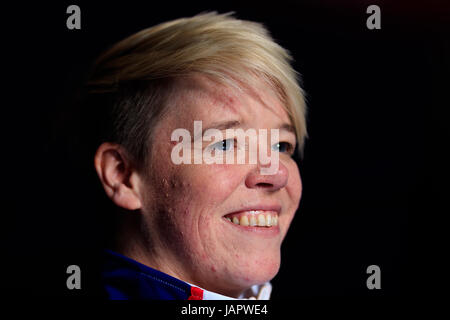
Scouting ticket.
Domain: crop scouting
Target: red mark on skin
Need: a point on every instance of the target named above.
(226, 100)
(230, 103)
(229, 100)
(213, 269)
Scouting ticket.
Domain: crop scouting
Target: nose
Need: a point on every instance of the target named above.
(270, 182)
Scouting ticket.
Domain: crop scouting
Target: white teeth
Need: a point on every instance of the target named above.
(269, 220)
(255, 218)
(244, 221)
(252, 221)
(261, 220)
(275, 220)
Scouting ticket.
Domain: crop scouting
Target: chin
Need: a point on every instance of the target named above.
(258, 270)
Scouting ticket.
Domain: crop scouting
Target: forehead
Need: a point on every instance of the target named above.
(200, 97)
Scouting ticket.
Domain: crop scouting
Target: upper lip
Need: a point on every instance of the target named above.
(259, 206)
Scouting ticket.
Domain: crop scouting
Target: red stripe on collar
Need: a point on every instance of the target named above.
(196, 294)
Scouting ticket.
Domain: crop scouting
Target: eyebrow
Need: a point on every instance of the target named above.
(288, 127)
(220, 125)
(223, 125)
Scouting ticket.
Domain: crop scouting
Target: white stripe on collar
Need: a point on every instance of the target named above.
(256, 292)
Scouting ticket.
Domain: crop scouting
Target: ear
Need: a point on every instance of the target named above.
(120, 180)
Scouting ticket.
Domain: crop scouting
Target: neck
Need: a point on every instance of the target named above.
(133, 241)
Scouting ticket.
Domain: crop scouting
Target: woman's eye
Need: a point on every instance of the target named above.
(285, 147)
(223, 145)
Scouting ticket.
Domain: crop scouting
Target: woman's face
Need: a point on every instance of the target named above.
(189, 209)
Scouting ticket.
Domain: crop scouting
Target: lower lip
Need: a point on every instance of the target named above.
(260, 231)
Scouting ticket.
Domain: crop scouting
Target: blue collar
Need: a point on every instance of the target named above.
(124, 278)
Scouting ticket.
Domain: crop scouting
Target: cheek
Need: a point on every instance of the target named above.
(294, 186)
(212, 184)
(293, 196)
(193, 196)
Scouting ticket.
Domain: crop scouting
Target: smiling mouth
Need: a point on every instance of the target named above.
(254, 218)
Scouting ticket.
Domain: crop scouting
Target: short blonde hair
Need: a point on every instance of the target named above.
(229, 50)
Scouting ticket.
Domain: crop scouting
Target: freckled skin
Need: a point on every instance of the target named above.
(183, 205)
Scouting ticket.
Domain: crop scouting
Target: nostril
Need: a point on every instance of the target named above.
(264, 185)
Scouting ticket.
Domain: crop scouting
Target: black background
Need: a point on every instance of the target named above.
(370, 94)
